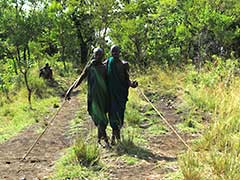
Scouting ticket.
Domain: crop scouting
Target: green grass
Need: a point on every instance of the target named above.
(16, 116)
(207, 92)
(159, 82)
(192, 123)
(82, 160)
(172, 169)
(129, 160)
(15, 113)
(69, 166)
(174, 176)
(133, 144)
(157, 129)
(134, 109)
(216, 154)
(140, 114)
(86, 153)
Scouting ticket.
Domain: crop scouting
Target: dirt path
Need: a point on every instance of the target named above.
(158, 158)
(155, 159)
(40, 161)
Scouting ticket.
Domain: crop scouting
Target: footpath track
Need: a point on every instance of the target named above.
(39, 162)
(160, 154)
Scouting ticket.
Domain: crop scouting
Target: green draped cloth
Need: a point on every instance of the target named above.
(118, 92)
(97, 94)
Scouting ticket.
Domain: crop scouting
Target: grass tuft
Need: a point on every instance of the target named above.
(86, 153)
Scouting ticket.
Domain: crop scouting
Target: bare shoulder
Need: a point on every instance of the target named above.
(125, 64)
(105, 62)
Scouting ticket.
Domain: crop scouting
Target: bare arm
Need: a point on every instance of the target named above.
(132, 84)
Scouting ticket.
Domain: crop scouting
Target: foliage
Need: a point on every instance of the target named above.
(66, 169)
(133, 115)
(82, 160)
(16, 116)
(151, 34)
(214, 91)
(86, 153)
(175, 31)
(167, 32)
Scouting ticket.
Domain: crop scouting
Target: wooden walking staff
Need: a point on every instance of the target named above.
(40, 135)
(169, 125)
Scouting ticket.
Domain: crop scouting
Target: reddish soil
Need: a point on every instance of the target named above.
(39, 163)
(162, 151)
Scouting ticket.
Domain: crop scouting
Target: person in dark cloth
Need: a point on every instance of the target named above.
(96, 75)
(118, 83)
(46, 72)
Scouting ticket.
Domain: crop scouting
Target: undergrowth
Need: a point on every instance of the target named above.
(82, 160)
(15, 112)
(16, 115)
(207, 101)
(214, 90)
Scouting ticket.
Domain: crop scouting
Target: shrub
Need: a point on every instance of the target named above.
(87, 153)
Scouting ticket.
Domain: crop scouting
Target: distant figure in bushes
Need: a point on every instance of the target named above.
(96, 75)
(118, 83)
(46, 72)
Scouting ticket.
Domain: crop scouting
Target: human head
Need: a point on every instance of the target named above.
(98, 53)
(46, 64)
(115, 51)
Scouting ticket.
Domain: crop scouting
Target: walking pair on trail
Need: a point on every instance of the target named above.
(108, 84)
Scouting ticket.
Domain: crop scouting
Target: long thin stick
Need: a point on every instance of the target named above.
(77, 80)
(40, 135)
(169, 125)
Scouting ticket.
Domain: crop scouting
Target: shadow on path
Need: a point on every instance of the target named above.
(128, 147)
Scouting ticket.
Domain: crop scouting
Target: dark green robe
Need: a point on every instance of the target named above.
(118, 85)
(97, 93)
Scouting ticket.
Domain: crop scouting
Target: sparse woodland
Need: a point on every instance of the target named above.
(185, 56)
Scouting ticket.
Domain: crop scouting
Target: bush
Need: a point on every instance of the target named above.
(87, 153)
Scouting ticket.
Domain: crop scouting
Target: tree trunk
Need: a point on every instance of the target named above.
(26, 59)
(84, 53)
(138, 52)
(83, 47)
(23, 66)
(28, 88)
(63, 58)
(15, 66)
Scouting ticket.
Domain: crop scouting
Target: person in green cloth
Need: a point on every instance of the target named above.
(118, 83)
(96, 75)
